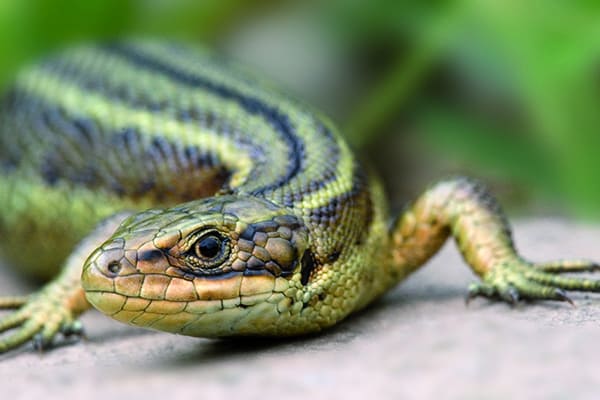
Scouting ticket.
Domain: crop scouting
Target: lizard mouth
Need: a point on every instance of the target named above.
(232, 305)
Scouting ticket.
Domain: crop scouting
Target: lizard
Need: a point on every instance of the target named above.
(172, 189)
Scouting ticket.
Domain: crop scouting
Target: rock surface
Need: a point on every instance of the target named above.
(419, 341)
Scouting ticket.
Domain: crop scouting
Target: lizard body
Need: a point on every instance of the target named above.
(172, 190)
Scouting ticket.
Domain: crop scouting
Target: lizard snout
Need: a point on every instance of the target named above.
(106, 264)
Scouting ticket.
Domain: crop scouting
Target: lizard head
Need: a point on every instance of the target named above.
(214, 267)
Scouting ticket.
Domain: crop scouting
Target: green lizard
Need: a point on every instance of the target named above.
(173, 190)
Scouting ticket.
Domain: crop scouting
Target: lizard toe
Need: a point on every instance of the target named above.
(511, 282)
(12, 302)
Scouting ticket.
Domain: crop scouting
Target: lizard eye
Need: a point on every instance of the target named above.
(211, 248)
(208, 246)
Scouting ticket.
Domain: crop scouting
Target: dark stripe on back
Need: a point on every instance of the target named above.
(10, 151)
(331, 153)
(125, 162)
(276, 119)
(76, 74)
(206, 118)
(331, 213)
(354, 210)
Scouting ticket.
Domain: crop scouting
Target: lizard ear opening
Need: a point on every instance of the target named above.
(308, 266)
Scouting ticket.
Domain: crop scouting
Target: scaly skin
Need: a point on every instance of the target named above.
(197, 199)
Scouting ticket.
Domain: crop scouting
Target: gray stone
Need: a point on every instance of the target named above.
(419, 341)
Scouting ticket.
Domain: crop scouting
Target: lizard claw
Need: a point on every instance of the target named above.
(510, 295)
(561, 295)
(40, 343)
(73, 328)
(480, 289)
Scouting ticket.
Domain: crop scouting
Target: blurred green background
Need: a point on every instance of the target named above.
(505, 91)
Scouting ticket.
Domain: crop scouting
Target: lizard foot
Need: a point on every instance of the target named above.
(42, 316)
(38, 318)
(513, 281)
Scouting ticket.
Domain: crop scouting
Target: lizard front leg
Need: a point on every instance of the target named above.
(466, 211)
(55, 307)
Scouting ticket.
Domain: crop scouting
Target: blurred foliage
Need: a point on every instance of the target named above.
(29, 28)
(508, 89)
(537, 60)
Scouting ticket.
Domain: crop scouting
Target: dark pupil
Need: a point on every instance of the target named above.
(209, 247)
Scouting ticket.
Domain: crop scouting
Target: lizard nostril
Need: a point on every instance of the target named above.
(114, 267)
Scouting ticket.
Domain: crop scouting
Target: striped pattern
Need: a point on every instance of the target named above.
(271, 145)
(160, 123)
